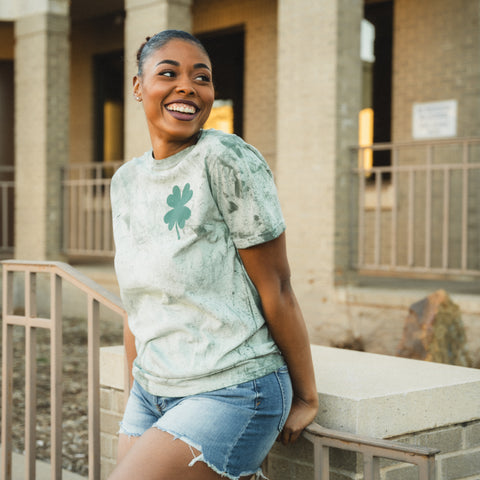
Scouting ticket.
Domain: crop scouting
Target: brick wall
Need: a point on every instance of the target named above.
(436, 45)
(112, 405)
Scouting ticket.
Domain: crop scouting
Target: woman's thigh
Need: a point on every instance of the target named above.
(156, 455)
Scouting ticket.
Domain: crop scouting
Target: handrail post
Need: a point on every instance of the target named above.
(7, 376)
(30, 373)
(56, 373)
(93, 389)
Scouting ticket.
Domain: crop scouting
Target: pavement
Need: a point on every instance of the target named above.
(43, 470)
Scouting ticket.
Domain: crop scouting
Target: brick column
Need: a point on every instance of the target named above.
(145, 18)
(42, 66)
(319, 93)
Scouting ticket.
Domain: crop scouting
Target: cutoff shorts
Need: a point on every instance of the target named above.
(233, 428)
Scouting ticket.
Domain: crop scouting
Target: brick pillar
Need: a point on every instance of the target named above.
(42, 66)
(319, 93)
(145, 18)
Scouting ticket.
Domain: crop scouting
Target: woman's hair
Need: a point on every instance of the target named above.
(159, 40)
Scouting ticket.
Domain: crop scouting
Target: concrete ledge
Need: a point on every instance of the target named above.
(382, 396)
(370, 394)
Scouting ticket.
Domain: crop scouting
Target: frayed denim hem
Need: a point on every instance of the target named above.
(123, 431)
(259, 475)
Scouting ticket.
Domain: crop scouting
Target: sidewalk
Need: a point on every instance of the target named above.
(42, 473)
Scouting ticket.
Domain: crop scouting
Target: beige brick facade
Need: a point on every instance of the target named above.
(436, 57)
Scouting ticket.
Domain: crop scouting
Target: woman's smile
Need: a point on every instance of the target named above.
(183, 110)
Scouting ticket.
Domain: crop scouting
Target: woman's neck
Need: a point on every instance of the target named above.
(162, 149)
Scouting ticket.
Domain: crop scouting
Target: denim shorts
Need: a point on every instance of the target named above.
(233, 428)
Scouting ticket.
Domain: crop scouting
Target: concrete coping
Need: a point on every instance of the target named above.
(369, 394)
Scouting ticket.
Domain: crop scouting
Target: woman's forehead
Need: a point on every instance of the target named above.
(180, 51)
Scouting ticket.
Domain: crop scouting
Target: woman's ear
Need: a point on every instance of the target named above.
(137, 90)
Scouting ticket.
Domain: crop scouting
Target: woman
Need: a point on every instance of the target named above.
(202, 267)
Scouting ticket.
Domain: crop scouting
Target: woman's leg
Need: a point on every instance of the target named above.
(156, 455)
(125, 443)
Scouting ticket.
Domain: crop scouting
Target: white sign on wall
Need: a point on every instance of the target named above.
(434, 120)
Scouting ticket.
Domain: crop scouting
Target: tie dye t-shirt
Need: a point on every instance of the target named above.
(178, 223)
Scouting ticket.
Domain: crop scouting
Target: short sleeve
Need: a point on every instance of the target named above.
(244, 190)
(118, 199)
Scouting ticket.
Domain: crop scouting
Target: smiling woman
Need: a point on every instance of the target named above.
(215, 339)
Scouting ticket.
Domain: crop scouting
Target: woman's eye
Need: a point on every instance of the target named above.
(167, 73)
(203, 77)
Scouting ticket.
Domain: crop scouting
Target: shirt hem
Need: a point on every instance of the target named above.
(217, 381)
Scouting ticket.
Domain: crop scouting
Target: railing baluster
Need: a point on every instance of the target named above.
(371, 467)
(93, 389)
(428, 208)
(321, 461)
(378, 218)
(56, 373)
(361, 216)
(446, 216)
(411, 218)
(30, 374)
(394, 230)
(465, 160)
(5, 209)
(7, 376)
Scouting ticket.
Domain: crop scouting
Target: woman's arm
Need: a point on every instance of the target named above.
(267, 266)
(130, 350)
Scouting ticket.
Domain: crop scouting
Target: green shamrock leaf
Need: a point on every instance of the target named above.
(179, 213)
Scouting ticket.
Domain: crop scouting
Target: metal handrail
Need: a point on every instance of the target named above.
(322, 438)
(372, 449)
(96, 296)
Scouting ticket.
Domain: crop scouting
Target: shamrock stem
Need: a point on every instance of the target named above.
(178, 233)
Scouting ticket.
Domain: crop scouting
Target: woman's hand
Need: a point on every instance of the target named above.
(301, 414)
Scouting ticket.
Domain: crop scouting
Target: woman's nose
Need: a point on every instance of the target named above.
(186, 88)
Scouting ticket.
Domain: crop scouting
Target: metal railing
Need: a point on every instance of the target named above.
(420, 213)
(31, 321)
(372, 450)
(87, 213)
(7, 186)
(323, 439)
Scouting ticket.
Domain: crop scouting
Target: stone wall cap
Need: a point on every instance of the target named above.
(384, 396)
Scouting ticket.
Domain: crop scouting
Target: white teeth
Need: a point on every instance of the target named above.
(181, 107)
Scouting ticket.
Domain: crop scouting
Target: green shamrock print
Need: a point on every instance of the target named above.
(179, 213)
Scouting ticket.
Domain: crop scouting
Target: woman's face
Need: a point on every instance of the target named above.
(177, 91)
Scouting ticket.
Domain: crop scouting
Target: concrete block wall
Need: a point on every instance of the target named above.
(259, 20)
